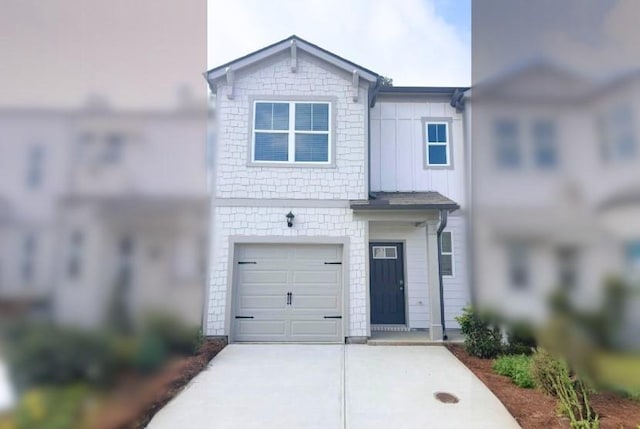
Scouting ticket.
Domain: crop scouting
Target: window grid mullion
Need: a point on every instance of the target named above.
(292, 132)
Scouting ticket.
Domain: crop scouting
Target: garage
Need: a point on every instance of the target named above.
(288, 293)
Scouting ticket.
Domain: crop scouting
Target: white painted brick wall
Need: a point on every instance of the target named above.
(270, 221)
(235, 179)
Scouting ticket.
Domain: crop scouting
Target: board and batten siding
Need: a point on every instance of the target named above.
(455, 288)
(456, 294)
(398, 152)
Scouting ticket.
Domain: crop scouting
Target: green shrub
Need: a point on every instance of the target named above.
(545, 368)
(552, 374)
(520, 339)
(176, 337)
(516, 367)
(42, 354)
(483, 338)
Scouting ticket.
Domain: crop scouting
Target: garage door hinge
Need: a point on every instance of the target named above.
(245, 262)
(333, 317)
(333, 263)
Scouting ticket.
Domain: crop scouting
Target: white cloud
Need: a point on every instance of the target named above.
(404, 39)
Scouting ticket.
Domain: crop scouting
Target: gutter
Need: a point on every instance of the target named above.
(443, 224)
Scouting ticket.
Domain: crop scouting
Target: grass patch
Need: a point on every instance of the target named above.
(517, 368)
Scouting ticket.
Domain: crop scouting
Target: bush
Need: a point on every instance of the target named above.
(520, 339)
(483, 338)
(175, 336)
(42, 354)
(552, 374)
(545, 368)
(516, 367)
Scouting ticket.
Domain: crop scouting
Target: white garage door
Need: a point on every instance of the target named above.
(288, 293)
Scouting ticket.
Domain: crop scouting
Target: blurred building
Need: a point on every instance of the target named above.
(556, 187)
(103, 211)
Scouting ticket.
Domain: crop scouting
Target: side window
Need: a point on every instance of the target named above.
(507, 140)
(35, 166)
(632, 257)
(619, 140)
(545, 148)
(437, 145)
(446, 254)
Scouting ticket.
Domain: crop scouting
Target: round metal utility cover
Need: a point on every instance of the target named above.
(446, 398)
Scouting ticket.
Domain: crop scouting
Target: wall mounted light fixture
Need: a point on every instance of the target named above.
(290, 217)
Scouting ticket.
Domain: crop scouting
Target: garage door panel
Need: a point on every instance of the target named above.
(316, 302)
(248, 276)
(325, 328)
(262, 328)
(258, 302)
(318, 252)
(316, 276)
(263, 251)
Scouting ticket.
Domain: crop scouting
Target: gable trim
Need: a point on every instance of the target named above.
(293, 43)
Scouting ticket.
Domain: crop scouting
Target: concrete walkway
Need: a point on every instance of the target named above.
(333, 387)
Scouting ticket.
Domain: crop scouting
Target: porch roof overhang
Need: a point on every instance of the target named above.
(430, 200)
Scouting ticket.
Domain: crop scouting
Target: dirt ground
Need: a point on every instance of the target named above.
(535, 410)
(136, 400)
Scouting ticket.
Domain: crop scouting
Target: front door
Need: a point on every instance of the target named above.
(386, 274)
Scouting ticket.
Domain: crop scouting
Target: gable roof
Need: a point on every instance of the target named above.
(259, 55)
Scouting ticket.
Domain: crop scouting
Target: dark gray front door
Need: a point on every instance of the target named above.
(386, 274)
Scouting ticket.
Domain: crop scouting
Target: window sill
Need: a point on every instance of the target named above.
(291, 164)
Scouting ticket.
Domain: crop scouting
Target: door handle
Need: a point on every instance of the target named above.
(288, 298)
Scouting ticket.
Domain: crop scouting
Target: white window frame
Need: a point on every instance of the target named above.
(384, 248)
(446, 144)
(291, 132)
(452, 253)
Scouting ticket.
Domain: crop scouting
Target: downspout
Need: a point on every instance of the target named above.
(443, 224)
(372, 94)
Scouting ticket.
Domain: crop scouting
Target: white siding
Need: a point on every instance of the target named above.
(456, 293)
(397, 149)
(274, 79)
(456, 288)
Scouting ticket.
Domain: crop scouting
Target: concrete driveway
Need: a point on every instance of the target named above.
(333, 386)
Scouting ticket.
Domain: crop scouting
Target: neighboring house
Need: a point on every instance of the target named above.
(99, 205)
(329, 197)
(556, 188)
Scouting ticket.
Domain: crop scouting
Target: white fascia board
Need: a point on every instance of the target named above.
(218, 72)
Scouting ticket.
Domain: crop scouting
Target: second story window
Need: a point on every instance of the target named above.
(619, 142)
(508, 152)
(437, 152)
(544, 144)
(291, 132)
(35, 167)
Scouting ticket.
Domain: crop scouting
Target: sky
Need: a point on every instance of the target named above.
(414, 42)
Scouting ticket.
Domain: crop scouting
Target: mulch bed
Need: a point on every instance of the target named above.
(136, 400)
(532, 409)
